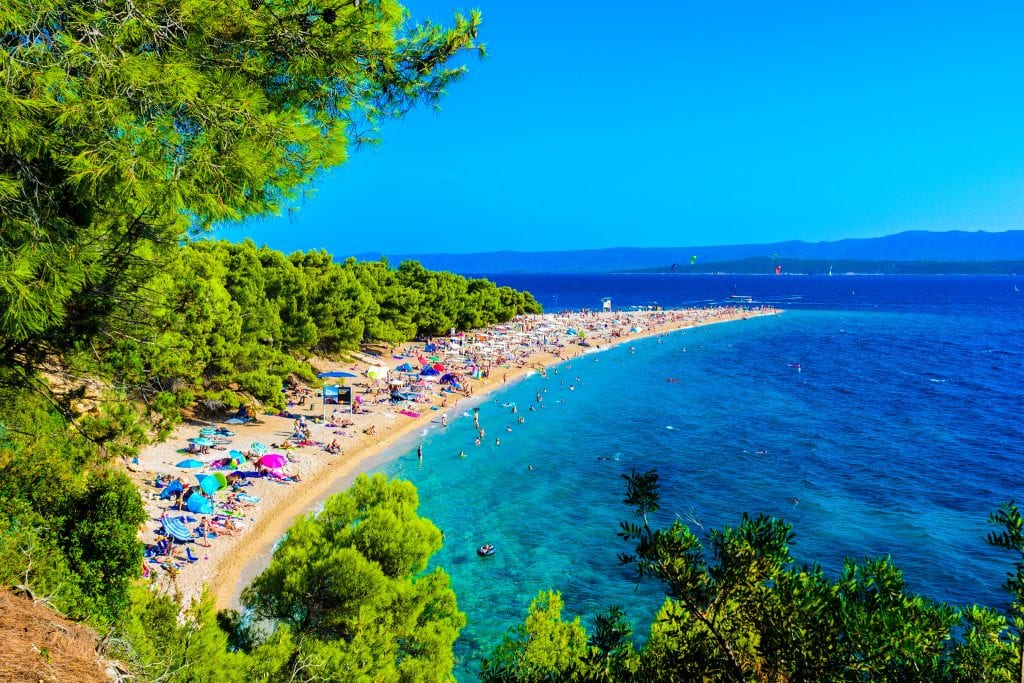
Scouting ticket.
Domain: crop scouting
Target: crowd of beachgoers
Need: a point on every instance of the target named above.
(219, 494)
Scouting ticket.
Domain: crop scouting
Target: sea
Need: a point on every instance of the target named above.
(879, 415)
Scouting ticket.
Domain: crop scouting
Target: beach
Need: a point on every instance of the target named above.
(479, 361)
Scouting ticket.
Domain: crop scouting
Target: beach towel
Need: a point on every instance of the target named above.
(410, 413)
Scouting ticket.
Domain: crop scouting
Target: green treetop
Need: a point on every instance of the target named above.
(123, 126)
(348, 589)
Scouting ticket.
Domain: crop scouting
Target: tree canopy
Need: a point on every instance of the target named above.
(348, 585)
(126, 126)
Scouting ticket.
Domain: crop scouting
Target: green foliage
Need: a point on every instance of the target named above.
(237, 317)
(347, 584)
(158, 643)
(1011, 537)
(99, 539)
(73, 520)
(543, 648)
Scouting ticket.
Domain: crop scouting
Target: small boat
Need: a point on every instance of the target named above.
(744, 298)
(485, 550)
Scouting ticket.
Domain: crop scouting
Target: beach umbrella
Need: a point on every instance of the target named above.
(207, 431)
(200, 504)
(176, 529)
(273, 460)
(171, 489)
(438, 367)
(190, 462)
(201, 441)
(336, 373)
(379, 372)
(258, 448)
(208, 483)
(221, 479)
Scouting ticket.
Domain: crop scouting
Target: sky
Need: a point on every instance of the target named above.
(603, 124)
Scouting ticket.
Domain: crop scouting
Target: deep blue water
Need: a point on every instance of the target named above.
(900, 432)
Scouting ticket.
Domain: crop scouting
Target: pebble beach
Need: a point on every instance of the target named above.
(482, 361)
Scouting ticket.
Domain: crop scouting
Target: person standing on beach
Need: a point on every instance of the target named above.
(204, 532)
(444, 419)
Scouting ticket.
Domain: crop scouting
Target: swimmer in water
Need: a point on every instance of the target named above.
(530, 467)
(795, 501)
(497, 442)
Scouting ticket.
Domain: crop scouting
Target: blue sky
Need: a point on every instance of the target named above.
(606, 124)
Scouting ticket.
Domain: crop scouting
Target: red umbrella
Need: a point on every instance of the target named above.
(438, 367)
(273, 460)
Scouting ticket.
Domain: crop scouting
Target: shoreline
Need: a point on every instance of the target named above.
(233, 561)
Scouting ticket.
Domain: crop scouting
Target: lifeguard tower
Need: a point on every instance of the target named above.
(606, 303)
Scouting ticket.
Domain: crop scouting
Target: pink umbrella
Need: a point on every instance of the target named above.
(273, 460)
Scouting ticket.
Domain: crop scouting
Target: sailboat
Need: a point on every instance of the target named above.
(830, 271)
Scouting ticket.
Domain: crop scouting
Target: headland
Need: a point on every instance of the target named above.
(243, 532)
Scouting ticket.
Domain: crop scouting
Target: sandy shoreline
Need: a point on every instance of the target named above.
(517, 348)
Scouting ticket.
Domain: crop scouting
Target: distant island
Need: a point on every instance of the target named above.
(912, 252)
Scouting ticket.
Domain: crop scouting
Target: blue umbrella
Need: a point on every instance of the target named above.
(208, 484)
(190, 462)
(200, 504)
(336, 373)
(201, 441)
(176, 529)
(170, 490)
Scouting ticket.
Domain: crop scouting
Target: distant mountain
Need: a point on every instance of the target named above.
(762, 265)
(913, 246)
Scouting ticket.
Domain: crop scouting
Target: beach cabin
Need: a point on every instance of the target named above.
(606, 303)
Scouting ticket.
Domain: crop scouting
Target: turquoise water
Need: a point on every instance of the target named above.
(898, 434)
